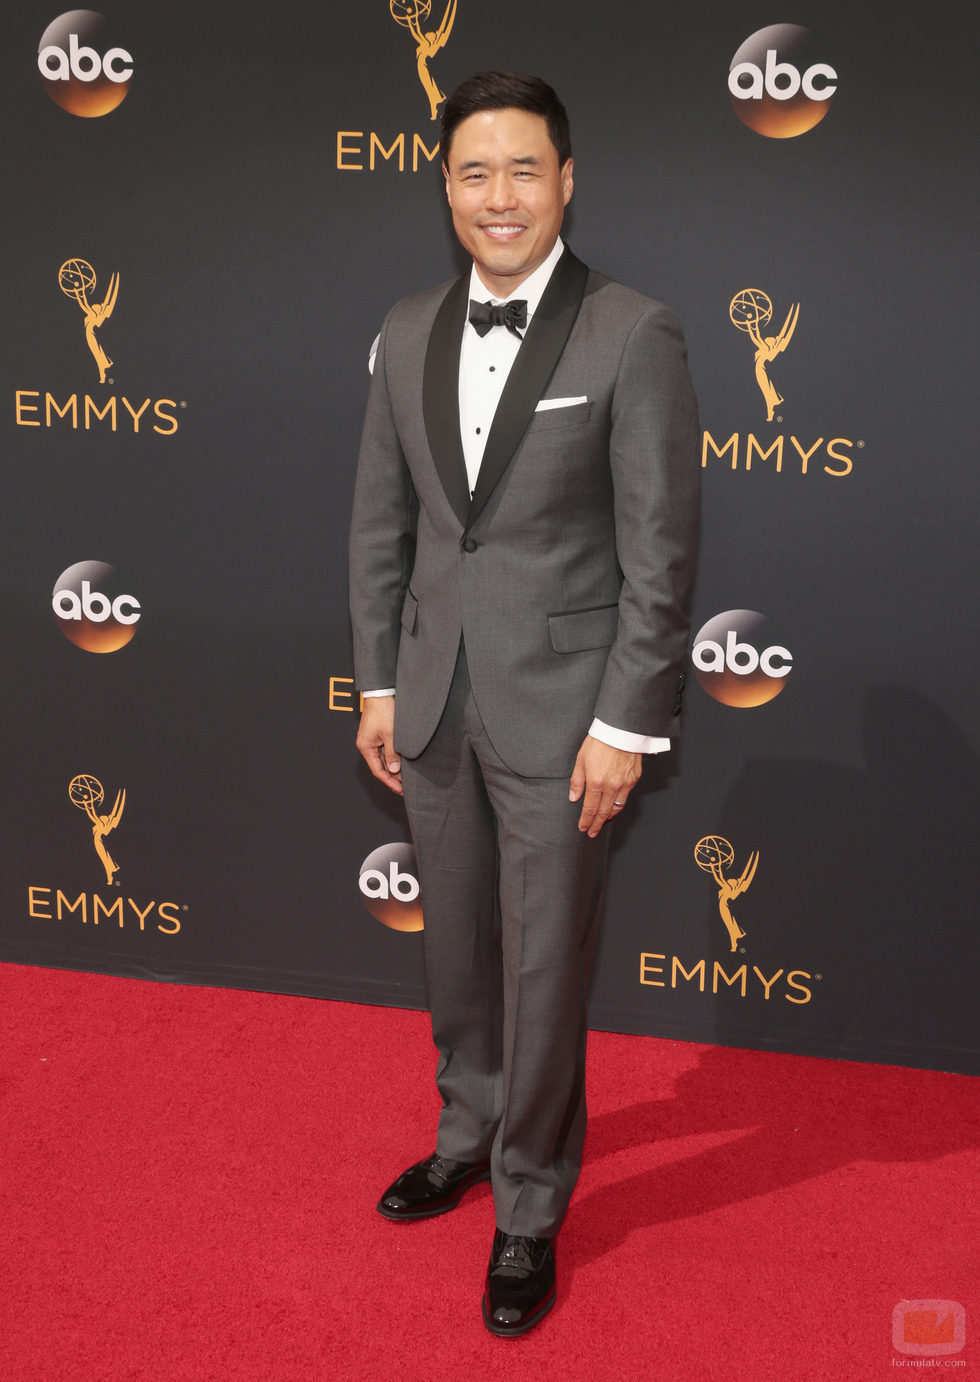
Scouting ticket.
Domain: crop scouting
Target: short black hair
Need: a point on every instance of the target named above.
(506, 91)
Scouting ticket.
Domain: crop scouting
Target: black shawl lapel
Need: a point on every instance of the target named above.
(440, 395)
(543, 344)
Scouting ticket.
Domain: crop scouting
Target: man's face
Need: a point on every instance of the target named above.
(507, 194)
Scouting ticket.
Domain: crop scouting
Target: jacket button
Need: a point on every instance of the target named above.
(470, 544)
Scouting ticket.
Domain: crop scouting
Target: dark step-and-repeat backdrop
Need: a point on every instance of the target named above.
(208, 209)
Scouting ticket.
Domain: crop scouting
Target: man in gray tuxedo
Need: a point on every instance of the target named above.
(522, 549)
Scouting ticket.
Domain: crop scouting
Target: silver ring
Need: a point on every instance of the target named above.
(619, 803)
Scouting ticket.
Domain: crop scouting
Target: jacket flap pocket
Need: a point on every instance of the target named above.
(410, 610)
(584, 628)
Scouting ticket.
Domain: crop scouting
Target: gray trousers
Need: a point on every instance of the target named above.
(511, 894)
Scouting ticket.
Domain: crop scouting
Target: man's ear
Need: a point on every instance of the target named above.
(445, 174)
(567, 181)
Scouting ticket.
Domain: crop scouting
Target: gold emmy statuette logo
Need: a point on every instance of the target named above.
(76, 278)
(750, 310)
(713, 854)
(411, 15)
(86, 793)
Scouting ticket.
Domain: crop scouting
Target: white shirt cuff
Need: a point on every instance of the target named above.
(622, 739)
(368, 694)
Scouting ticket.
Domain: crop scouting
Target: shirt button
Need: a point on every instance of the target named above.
(478, 431)
(470, 544)
(492, 368)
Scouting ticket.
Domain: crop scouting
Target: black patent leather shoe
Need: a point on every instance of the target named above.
(431, 1187)
(520, 1287)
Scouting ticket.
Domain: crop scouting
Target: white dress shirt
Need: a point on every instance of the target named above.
(484, 364)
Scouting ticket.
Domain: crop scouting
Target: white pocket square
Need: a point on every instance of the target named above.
(546, 403)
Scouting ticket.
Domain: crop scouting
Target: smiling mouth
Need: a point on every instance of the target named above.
(503, 232)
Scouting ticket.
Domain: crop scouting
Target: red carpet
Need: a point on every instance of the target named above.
(189, 1179)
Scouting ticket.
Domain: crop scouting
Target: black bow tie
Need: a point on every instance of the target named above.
(513, 315)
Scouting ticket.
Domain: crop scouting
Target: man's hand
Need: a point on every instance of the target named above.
(375, 740)
(602, 779)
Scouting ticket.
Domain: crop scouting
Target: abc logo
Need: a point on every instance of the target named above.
(780, 83)
(92, 609)
(735, 663)
(390, 889)
(82, 70)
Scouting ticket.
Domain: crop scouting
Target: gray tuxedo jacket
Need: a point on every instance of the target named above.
(567, 573)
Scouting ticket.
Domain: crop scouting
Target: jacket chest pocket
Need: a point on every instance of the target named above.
(545, 419)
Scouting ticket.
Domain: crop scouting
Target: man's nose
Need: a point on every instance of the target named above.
(500, 193)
